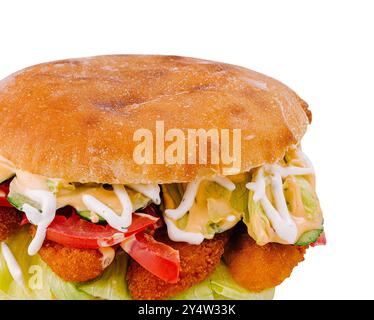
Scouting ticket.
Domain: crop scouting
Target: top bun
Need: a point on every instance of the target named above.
(75, 119)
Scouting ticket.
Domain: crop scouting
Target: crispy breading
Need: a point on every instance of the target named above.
(197, 263)
(261, 267)
(71, 264)
(10, 220)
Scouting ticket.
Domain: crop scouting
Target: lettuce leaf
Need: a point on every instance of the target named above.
(215, 209)
(224, 286)
(201, 291)
(302, 203)
(258, 224)
(40, 282)
(111, 285)
(221, 286)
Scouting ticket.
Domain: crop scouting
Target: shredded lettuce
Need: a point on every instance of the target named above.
(258, 224)
(309, 198)
(215, 209)
(221, 286)
(302, 203)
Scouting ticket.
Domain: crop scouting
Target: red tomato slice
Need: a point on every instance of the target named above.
(156, 257)
(321, 241)
(4, 187)
(4, 202)
(24, 220)
(79, 233)
(152, 210)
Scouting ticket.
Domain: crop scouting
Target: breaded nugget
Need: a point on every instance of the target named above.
(70, 264)
(197, 263)
(261, 267)
(10, 220)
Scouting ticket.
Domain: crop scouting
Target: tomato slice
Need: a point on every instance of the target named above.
(321, 241)
(156, 257)
(153, 210)
(4, 202)
(79, 233)
(4, 187)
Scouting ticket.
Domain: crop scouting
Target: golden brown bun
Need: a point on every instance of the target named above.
(75, 119)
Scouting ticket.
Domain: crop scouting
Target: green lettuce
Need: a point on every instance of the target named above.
(258, 224)
(212, 207)
(302, 202)
(201, 291)
(40, 282)
(111, 285)
(309, 198)
(221, 286)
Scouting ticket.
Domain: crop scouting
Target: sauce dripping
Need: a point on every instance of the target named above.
(120, 222)
(279, 216)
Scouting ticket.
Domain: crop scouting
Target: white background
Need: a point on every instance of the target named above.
(322, 49)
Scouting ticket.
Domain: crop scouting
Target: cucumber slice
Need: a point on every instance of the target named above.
(309, 237)
(86, 215)
(18, 200)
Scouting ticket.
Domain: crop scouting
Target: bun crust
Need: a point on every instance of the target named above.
(75, 119)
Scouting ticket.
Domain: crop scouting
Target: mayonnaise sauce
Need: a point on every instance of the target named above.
(126, 204)
(120, 222)
(41, 219)
(191, 192)
(289, 171)
(13, 266)
(305, 158)
(179, 235)
(280, 218)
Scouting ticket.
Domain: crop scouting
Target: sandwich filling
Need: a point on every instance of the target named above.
(276, 202)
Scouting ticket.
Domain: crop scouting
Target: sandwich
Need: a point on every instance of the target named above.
(152, 177)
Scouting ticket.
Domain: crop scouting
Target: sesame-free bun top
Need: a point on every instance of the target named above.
(75, 119)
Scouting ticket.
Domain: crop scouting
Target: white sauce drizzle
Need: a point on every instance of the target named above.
(151, 191)
(288, 171)
(179, 235)
(190, 195)
(224, 182)
(280, 217)
(304, 157)
(120, 222)
(13, 266)
(41, 219)
(144, 215)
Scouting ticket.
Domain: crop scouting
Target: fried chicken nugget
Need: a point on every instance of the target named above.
(10, 222)
(257, 268)
(70, 264)
(197, 263)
